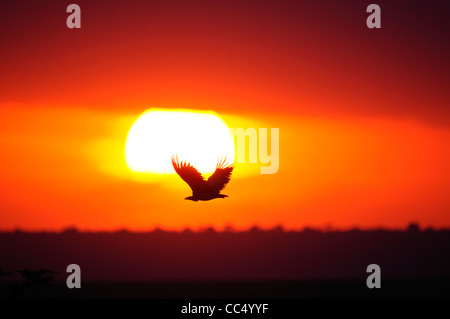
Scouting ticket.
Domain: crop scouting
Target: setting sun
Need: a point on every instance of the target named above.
(200, 138)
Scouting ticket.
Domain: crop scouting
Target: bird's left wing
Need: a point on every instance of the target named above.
(189, 174)
(221, 176)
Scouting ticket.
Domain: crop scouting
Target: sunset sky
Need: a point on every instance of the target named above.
(363, 114)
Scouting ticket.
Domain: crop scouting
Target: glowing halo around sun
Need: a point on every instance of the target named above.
(200, 138)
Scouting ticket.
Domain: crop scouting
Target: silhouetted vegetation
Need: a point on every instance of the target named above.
(30, 279)
(273, 255)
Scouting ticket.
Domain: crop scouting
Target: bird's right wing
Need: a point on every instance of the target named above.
(221, 176)
(189, 174)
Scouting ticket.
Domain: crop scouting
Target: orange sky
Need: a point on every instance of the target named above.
(363, 114)
(64, 167)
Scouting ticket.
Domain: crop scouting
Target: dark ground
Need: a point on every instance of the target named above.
(313, 289)
(254, 264)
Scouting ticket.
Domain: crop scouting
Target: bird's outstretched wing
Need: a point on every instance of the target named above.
(189, 174)
(221, 176)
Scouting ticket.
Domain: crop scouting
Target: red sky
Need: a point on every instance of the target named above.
(363, 114)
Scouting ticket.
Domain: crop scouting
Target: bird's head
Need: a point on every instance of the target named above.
(190, 198)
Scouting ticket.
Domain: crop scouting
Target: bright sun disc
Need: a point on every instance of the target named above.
(200, 138)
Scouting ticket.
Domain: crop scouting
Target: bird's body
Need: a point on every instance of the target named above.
(204, 189)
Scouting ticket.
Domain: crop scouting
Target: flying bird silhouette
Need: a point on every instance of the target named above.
(201, 189)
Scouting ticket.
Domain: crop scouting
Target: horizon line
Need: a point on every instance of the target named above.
(411, 227)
